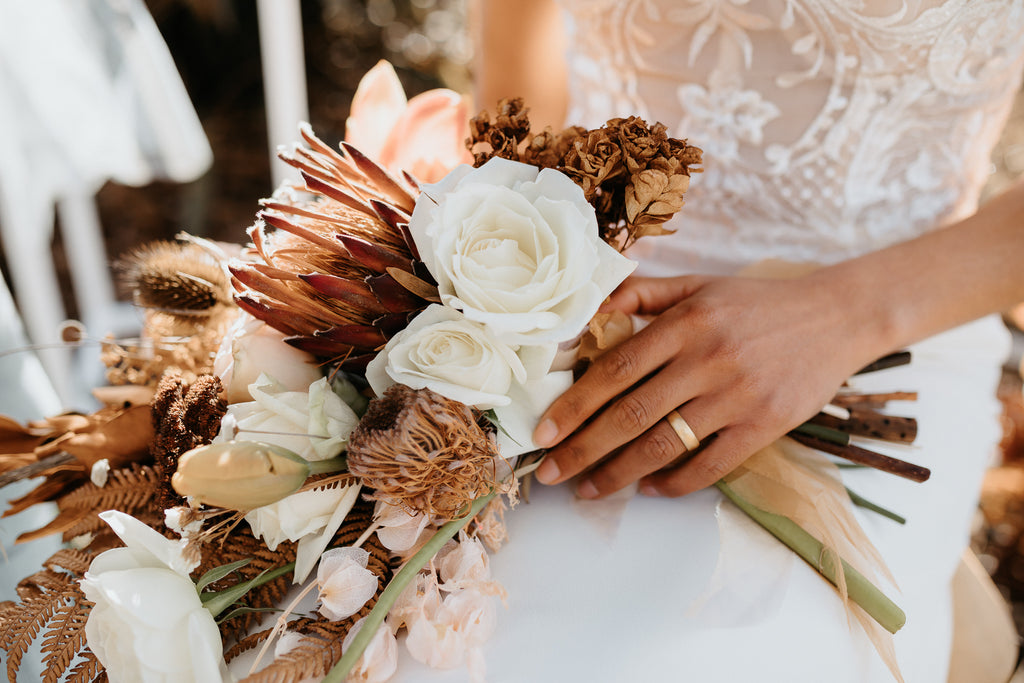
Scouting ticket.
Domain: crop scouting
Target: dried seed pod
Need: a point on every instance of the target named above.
(423, 452)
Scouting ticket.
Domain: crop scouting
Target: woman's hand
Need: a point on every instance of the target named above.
(745, 360)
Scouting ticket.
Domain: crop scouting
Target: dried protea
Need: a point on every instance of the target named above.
(337, 271)
(422, 452)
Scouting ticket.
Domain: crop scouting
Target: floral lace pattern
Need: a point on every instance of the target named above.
(831, 127)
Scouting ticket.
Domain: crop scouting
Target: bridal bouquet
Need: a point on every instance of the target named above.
(329, 424)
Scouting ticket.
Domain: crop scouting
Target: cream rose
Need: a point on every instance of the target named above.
(516, 249)
(313, 422)
(148, 623)
(249, 347)
(442, 351)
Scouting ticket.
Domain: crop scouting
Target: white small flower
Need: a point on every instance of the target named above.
(98, 473)
(398, 530)
(452, 636)
(183, 521)
(344, 582)
(379, 660)
(463, 562)
(313, 422)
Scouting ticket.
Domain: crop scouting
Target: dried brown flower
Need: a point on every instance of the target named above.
(423, 452)
(633, 174)
(184, 416)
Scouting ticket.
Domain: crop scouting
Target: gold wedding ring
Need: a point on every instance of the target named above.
(683, 430)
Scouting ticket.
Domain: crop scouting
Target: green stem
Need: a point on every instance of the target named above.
(860, 590)
(861, 501)
(328, 466)
(395, 587)
(221, 600)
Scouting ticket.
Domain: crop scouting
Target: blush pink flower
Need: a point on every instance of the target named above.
(423, 136)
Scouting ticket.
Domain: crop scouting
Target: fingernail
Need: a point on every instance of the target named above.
(648, 490)
(586, 489)
(545, 434)
(548, 471)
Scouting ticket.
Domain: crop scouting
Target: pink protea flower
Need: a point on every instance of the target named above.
(423, 136)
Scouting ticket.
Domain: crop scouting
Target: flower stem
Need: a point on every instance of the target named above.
(861, 591)
(397, 584)
(221, 600)
(328, 466)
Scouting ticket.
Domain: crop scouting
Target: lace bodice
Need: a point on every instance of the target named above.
(830, 127)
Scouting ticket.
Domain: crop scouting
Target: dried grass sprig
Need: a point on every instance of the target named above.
(422, 452)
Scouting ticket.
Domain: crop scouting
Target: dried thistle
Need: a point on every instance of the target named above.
(178, 278)
(422, 452)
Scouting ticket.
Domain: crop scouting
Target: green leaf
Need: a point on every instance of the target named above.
(492, 417)
(217, 602)
(239, 611)
(218, 573)
(863, 502)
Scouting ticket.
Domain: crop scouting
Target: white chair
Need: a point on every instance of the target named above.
(88, 92)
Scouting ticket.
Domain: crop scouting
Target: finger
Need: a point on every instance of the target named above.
(610, 375)
(651, 295)
(624, 420)
(655, 450)
(722, 455)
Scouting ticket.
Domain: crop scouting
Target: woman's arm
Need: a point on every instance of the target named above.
(748, 360)
(520, 47)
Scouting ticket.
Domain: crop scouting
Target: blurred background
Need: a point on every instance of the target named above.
(216, 48)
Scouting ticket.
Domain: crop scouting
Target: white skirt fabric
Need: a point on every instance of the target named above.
(592, 601)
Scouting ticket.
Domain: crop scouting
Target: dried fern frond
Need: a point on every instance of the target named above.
(131, 490)
(51, 602)
(321, 649)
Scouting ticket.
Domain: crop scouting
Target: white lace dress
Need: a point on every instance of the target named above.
(830, 128)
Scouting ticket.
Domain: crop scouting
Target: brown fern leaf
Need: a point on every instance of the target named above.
(65, 637)
(88, 670)
(312, 659)
(129, 489)
(18, 634)
(75, 561)
(44, 583)
(321, 649)
(241, 545)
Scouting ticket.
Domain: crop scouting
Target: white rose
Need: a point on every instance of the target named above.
(249, 347)
(148, 624)
(517, 249)
(442, 351)
(313, 422)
